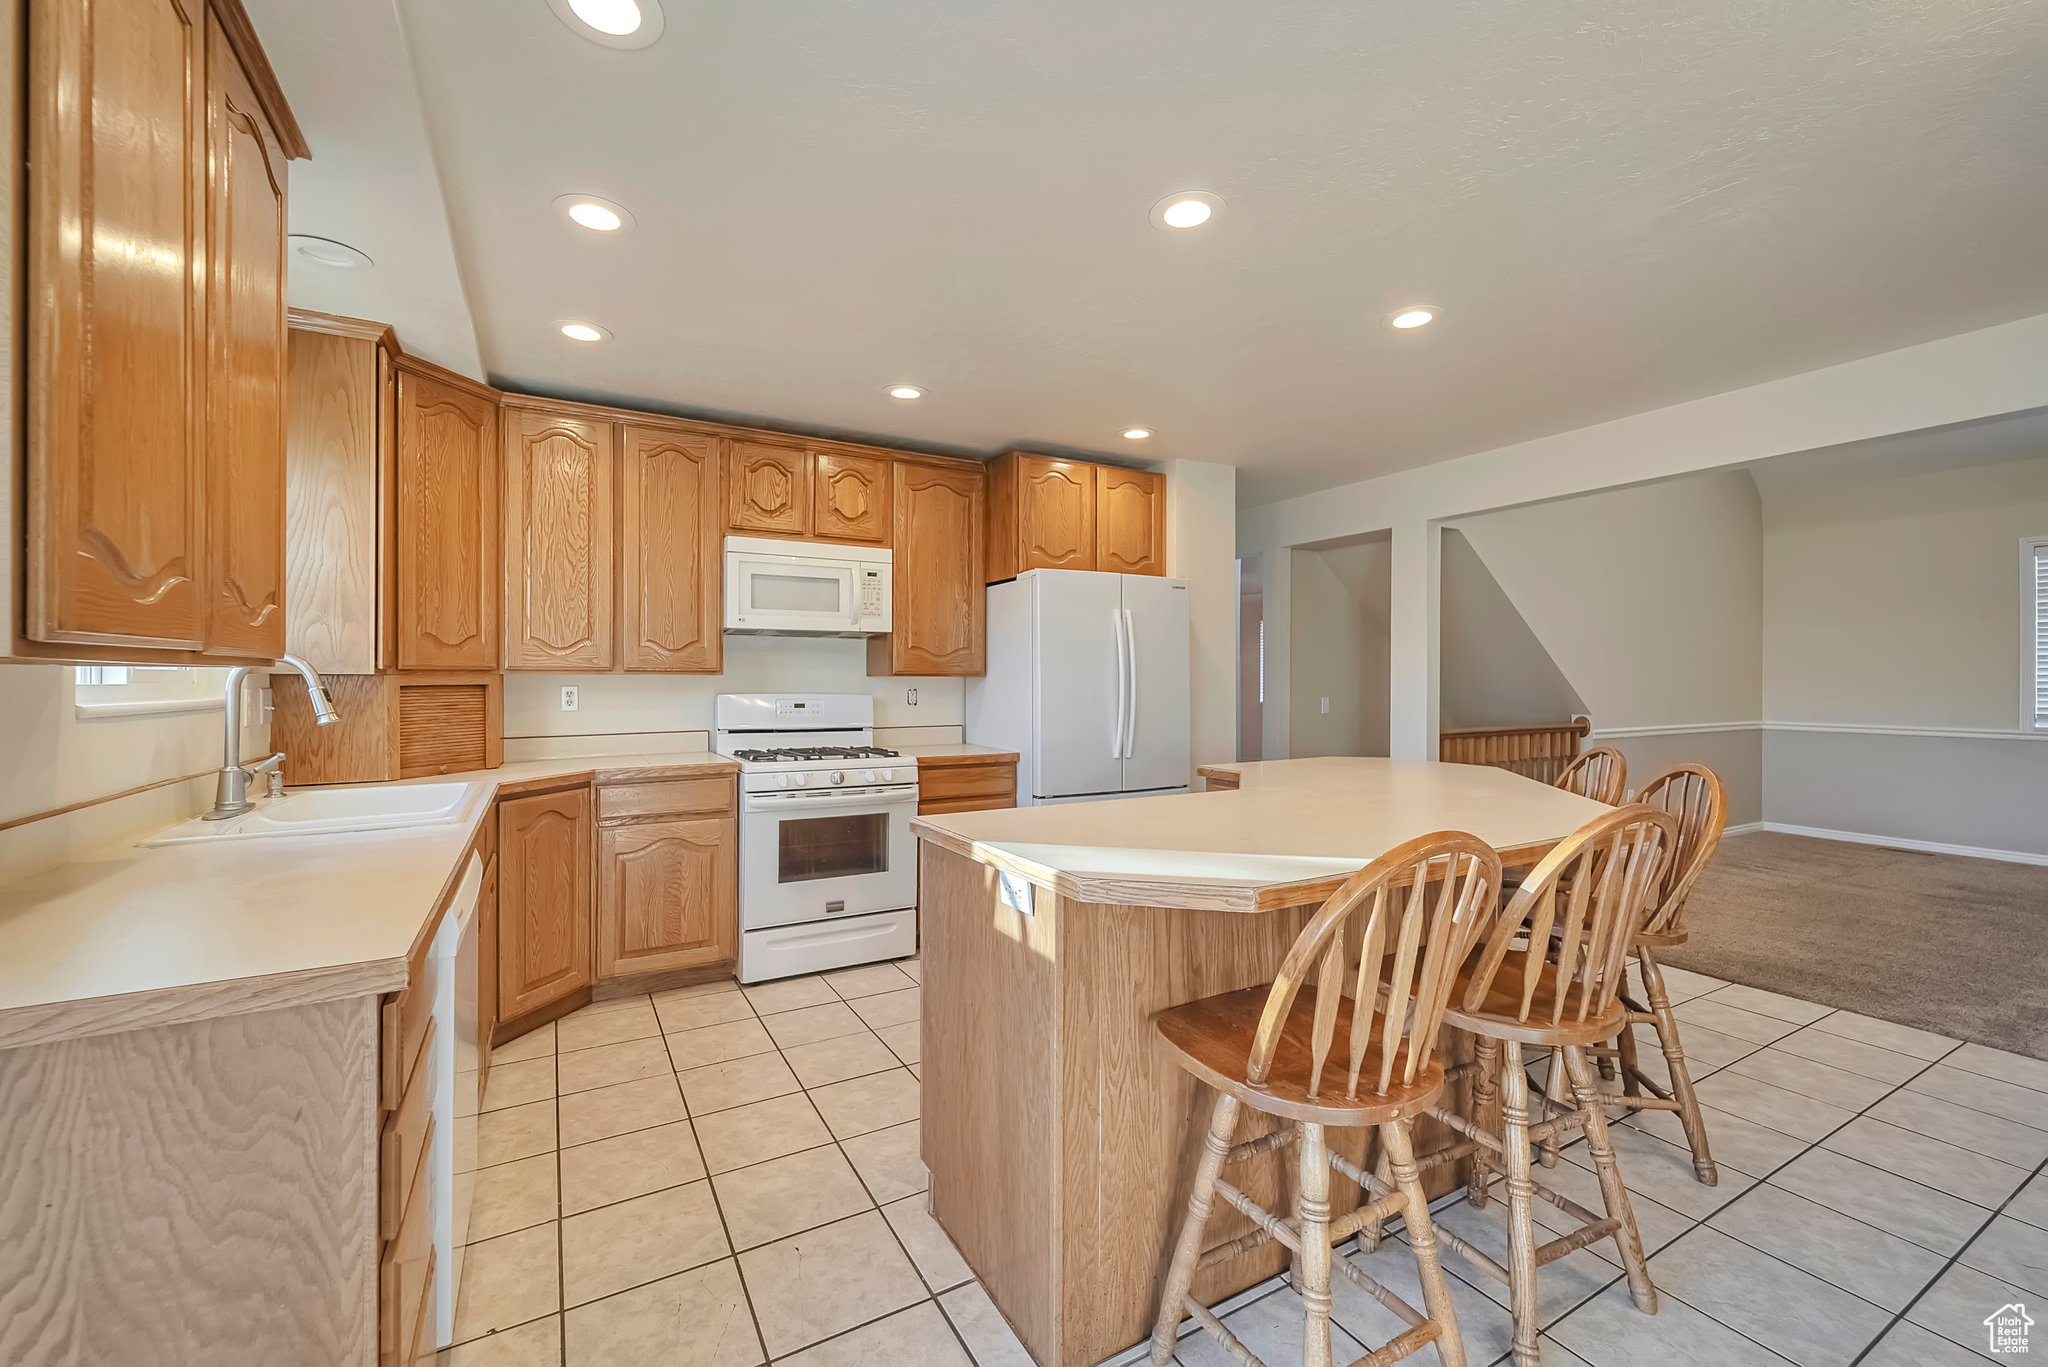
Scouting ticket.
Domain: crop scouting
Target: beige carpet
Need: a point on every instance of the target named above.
(1956, 946)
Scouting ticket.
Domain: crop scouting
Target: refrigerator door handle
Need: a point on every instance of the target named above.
(1131, 672)
(1116, 628)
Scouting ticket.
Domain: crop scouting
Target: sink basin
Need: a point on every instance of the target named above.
(331, 811)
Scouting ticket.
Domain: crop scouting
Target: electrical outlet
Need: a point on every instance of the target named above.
(569, 698)
(1326, 707)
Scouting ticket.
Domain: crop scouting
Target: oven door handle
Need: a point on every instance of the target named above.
(805, 802)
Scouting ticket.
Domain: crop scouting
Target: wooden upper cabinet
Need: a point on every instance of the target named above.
(246, 339)
(668, 896)
(940, 608)
(544, 926)
(560, 480)
(337, 443)
(445, 515)
(768, 489)
(850, 497)
(1130, 520)
(117, 161)
(671, 553)
(1042, 515)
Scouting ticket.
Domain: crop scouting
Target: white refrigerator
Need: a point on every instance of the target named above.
(1088, 682)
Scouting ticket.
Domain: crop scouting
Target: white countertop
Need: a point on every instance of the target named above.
(929, 754)
(1289, 835)
(135, 936)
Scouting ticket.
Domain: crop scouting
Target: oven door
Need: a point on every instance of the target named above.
(766, 592)
(820, 856)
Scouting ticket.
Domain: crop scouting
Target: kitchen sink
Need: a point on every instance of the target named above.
(332, 811)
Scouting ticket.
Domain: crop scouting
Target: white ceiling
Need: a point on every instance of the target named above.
(1621, 204)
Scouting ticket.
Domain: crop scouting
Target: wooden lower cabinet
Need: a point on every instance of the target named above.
(966, 784)
(544, 929)
(668, 895)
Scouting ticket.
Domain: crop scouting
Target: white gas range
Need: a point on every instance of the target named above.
(828, 868)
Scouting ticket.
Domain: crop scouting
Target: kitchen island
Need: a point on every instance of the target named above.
(1059, 1133)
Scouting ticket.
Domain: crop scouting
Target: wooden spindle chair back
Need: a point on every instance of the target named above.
(1587, 898)
(1697, 800)
(1423, 905)
(1600, 773)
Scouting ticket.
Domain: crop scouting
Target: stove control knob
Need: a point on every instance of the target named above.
(782, 780)
(838, 776)
(803, 780)
(868, 777)
(888, 776)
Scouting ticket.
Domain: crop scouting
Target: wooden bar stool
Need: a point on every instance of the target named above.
(1697, 800)
(1601, 774)
(1423, 906)
(1580, 910)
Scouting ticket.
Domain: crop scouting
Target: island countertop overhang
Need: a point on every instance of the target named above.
(1289, 835)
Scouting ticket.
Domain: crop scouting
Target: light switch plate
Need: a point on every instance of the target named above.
(1326, 707)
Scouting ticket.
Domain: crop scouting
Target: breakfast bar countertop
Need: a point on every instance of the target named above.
(160, 935)
(1289, 835)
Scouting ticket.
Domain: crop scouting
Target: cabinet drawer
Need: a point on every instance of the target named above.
(951, 782)
(665, 797)
(406, 1272)
(403, 1143)
(941, 806)
(407, 1017)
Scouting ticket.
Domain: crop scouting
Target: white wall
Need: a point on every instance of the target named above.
(1339, 609)
(1495, 670)
(1201, 548)
(1892, 653)
(1991, 372)
(624, 706)
(1649, 598)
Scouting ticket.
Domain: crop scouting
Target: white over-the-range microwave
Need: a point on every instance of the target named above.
(806, 588)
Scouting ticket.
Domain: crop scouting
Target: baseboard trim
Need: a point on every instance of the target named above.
(1744, 829)
(1901, 843)
(1688, 728)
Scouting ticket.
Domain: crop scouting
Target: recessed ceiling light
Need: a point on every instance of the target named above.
(905, 392)
(1414, 316)
(589, 211)
(578, 331)
(325, 251)
(1137, 433)
(1188, 209)
(614, 23)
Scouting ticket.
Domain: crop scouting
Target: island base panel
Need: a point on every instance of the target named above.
(1060, 1134)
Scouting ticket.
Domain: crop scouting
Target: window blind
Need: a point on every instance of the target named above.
(2035, 572)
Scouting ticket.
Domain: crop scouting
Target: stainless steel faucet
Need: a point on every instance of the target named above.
(231, 790)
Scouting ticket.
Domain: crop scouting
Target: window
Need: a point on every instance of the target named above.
(128, 690)
(2034, 631)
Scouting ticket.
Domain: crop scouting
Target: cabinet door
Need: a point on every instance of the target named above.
(116, 526)
(245, 373)
(559, 482)
(1056, 514)
(671, 554)
(850, 498)
(543, 900)
(1130, 521)
(941, 606)
(445, 556)
(333, 431)
(768, 490)
(668, 896)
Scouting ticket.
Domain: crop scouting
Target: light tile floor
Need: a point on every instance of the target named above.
(723, 1176)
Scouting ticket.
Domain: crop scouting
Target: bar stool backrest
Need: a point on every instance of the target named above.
(1412, 917)
(1587, 900)
(1601, 774)
(1695, 796)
